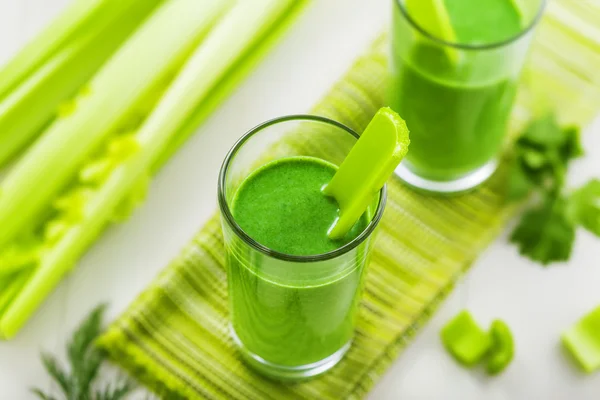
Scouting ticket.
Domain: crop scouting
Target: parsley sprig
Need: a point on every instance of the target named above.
(547, 230)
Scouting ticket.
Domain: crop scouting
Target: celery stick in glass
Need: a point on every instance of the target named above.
(372, 161)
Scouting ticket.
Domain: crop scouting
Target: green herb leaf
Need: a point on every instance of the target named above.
(520, 182)
(583, 207)
(533, 158)
(115, 392)
(544, 150)
(85, 360)
(42, 395)
(57, 372)
(544, 133)
(544, 234)
(572, 147)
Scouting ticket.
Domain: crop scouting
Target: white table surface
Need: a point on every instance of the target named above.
(538, 303)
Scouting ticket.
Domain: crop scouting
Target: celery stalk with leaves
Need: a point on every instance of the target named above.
(139, 107)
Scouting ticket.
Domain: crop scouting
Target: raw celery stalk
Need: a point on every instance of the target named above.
(205, 67)
(230, 80)
(145, 60)
(31, 105)
(238, 31)
(43, 46)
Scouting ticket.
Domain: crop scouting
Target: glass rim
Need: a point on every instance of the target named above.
(466, 46)
(227, 214)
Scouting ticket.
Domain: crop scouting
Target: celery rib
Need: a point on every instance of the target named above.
(62, 75)
(143, 61)
(110, 175)
(223, 87)
(115, 92)
(48, 41)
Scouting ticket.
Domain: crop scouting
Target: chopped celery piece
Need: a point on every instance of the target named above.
(149, 55)
(63, 74)
(502, 351)
(465, 340)
(583, 341)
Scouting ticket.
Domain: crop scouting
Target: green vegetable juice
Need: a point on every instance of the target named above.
(456, 100)
(292, 315)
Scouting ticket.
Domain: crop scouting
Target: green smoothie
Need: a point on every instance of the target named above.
(281, 207)
(457, 107)
(292, 314)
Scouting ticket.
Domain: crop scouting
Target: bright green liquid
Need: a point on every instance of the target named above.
(457, 115)
(279, 312)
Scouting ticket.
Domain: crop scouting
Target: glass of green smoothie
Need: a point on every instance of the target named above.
(454, 68)
(293, 292)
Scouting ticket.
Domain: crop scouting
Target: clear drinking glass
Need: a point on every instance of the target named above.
(456, 100)
(292, 316)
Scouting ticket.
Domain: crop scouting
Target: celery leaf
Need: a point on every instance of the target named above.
(545, 234)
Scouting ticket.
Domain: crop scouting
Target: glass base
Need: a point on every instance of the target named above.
(284, 372)
(460, 185)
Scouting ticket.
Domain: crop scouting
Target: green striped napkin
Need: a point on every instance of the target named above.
(175, 339)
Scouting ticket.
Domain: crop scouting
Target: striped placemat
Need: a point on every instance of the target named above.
(174, 338)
